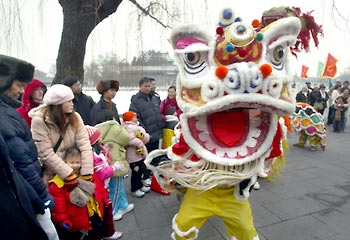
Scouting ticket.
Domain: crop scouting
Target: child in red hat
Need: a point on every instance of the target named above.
(136, 152)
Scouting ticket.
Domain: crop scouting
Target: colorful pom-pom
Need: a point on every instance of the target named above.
(242, 53)
(238, 19)
(259, 37)
(255, 23)
(265, 69)
(230, 48)
(221, 72)
(227, 14)
(219, 30)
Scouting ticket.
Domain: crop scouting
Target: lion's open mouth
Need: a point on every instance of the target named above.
(227, 134)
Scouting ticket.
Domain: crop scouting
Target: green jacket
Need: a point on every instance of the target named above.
(115, 138)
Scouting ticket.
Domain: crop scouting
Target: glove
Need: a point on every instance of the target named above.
(87, 178)
(67, 224)
(71, 182)
(49, 202)
(139, 151)
(139, 135)
(38, 206)
(117, 166)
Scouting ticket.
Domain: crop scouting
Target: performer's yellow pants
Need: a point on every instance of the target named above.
(198, 206)
(168, 135)
(303, 137)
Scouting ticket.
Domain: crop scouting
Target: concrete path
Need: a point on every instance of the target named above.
(311, 200)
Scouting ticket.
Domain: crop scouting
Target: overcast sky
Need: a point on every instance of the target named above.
(118, 34)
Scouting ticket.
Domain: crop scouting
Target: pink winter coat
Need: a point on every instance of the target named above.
(102, 166)
(132, 128)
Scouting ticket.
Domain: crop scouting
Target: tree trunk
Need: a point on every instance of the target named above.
(80, 17)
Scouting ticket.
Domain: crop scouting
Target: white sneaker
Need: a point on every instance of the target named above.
(120, 213)
(146, 182)
(138, 193)
(117, 216)
(256, 186)
(116, 235)
(145, 189)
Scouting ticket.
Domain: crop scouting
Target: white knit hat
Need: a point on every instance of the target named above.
(58, 94)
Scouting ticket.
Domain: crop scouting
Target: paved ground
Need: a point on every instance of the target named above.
(311, 200)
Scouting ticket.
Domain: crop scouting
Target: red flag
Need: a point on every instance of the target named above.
(331, 67)
(304, 70)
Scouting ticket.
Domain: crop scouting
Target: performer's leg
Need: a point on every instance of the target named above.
(194, 212)
(314, 141)
(237, 216)
(301, 139)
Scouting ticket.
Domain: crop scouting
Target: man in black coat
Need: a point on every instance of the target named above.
(145, 104)
(17, 200)
(14, 75)
(83, 103)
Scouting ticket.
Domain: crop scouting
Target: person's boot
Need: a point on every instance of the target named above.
(157, 188)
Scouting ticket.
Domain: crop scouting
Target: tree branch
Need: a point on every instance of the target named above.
(146, 11)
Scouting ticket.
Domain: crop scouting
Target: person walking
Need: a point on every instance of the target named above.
(83, 103)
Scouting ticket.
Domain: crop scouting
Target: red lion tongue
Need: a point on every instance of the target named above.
(228, 126)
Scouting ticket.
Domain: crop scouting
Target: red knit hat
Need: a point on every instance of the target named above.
(94, 134)
(127, 116)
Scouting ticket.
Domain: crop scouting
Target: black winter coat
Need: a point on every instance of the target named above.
(101, 105)
(17, 219)
(22, 149)
(83, 104)
(148, 114)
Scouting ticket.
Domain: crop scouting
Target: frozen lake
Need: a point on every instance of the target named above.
(121, 99)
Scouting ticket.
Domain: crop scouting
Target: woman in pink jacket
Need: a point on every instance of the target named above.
(136, 152)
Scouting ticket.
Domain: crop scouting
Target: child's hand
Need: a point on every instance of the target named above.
(139, 135)
(136, 168)
(139, 151)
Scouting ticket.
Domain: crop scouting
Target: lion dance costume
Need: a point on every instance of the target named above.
(233, 90)
(309, 125)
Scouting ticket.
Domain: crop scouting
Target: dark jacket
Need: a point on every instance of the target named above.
(22, 149)
(300, 97)
(101, 105)
(321, 99)
(83, 104)
(148, 114)
(18, 219)
(27, 102)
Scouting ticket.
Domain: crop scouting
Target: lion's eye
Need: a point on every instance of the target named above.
(195, 63)
(277, 57)
(192, 58)
(278, 53)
